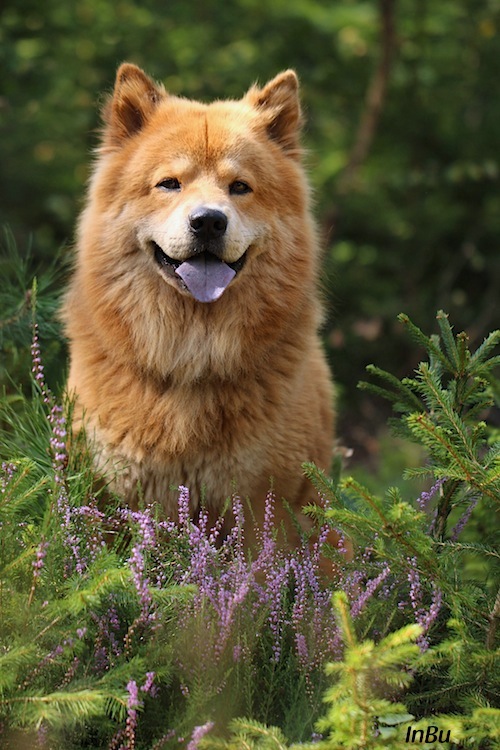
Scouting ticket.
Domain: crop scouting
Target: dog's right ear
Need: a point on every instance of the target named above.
(134, 99)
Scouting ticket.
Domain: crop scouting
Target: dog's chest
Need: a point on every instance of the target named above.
(211, 476)
(212, 441)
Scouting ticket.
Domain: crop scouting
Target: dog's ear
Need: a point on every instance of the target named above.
(279, 106)
(134, 99)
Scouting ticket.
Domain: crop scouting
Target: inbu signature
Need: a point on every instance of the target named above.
(428, 735)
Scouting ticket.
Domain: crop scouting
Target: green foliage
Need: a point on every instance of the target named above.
(440, 409)
(461, 661)
(413, 636)
(359, 716)
(246, 733)
(367, 671)
(18, 270)
(40, 614)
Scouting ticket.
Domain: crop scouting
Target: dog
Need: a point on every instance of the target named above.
(193, 310)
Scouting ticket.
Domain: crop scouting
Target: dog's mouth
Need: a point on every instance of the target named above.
(204, 275)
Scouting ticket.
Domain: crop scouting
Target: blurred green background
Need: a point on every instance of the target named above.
(403, 146)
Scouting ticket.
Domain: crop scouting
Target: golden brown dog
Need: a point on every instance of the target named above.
(192, 313)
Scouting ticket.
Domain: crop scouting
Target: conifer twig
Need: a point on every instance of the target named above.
(24, 306)
(494, 620)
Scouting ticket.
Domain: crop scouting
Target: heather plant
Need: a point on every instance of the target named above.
(124, 629)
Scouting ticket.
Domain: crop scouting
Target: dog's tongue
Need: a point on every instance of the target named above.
(205, 276)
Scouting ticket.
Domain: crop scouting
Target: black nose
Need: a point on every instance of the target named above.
(208, 223)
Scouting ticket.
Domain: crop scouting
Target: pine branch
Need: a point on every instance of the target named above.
(449, 342)
(494, 622)
(60, 708)
(403, 397)
(11, 663)
(479, 358)
(424, 341)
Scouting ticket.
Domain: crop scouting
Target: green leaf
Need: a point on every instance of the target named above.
(395, 719)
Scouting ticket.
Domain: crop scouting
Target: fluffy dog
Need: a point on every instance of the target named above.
(193, 313)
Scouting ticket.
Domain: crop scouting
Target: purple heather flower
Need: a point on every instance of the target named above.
(302, 650)
(272, 596)
(8, 471)
(58, 448)
(70, 672)
(170, 735)
(146, 526)
(371, 586)
(37, 366)
(148, 683)
(426, 497)
(422, 617)
(107, 645)
(133, 704)
(146, 540)
(299, 609)
(76, 561)
(183, 506)
(463, 520)
(415, 587)
(39, 560)
(133, 695)
(221, 574)
(137, 565)
(426, 619)
(37, 564)
(285, 585)
(198, 734)
(341, 546)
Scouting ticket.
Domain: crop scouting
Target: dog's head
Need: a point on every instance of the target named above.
(199, 188)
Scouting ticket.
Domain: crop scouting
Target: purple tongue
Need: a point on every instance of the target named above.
(205, 276)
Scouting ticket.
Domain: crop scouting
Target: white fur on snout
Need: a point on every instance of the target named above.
(173, 233)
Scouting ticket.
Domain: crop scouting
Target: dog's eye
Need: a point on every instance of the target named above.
(238, 187)
(171, 183)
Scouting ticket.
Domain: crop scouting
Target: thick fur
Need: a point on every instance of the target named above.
(229, 395)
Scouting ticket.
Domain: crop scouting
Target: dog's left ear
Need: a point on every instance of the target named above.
(279, 105)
